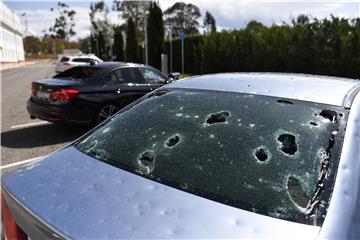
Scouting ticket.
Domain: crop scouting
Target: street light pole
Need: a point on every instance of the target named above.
(146, 33)
(95, 36)
(97, 45)
(169, 27)
(146, 43)
(182, 56)
(111, 42)
(171, 51)
(26, 31)
(182, 38)
(89, 45)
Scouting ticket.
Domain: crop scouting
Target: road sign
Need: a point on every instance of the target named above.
(182, 35)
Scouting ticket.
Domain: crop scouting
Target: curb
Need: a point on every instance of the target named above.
(14, 65)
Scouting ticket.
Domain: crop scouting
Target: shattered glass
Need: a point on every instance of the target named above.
(267, 155)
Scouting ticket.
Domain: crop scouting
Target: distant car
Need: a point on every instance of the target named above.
(86, 95)
(244, 156)
(67, 62)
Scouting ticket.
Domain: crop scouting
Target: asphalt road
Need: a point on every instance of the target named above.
(21, 137)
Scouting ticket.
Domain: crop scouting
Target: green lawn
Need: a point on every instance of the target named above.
(185, 75)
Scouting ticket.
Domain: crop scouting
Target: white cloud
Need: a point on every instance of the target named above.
(237, 14)
(228, 14)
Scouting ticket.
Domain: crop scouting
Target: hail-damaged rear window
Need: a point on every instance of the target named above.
(78, 73)
(272, 156)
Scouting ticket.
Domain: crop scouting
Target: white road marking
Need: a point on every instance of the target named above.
(29, 124)
(21, 162)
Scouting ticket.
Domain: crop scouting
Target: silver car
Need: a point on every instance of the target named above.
(215, 156)
(69, 61)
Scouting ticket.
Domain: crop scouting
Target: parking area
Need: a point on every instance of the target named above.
(24, 139)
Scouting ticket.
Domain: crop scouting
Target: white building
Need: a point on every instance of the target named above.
(11, 42)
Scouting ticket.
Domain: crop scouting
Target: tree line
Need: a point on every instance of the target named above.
(307, 45)
(145, 24)
(123, 41)
(328, 46)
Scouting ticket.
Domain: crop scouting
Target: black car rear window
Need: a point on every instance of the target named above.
(84, 60)
(77, 73)
(64, 59)
(267, 155)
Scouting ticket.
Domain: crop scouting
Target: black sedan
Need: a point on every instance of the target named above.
(86, 95)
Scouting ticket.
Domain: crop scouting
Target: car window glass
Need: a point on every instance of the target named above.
(121, 76)
(84, 60)
(127, 75)
(64, 59)
(262, 154)
(77, 73)
(110, 78)
(152, 76)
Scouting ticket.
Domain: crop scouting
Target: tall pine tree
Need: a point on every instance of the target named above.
(209, 23)
(101, 46)
(155, 29)
(118, 44)
(131, 41)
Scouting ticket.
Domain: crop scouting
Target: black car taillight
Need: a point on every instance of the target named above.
(33, 91)
(10, 229)
(63, 95)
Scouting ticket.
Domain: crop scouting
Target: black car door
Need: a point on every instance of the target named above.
(124, 85)
(152, 77)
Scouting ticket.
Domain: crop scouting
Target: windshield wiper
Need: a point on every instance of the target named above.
(325, 162)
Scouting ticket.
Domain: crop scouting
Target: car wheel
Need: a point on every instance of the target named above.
(105, 112)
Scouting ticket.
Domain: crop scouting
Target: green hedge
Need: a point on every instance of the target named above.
(326, 47)
(192, 54)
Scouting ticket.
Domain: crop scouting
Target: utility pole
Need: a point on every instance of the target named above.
(182, 37)
(97, 47)
(96, 39)
(26, 27)
(146, 36)
(89, 44)
(170, 27)
(146, 43)
(111, 42)
(171, 51)
(54, 47)
(26, 31)
(182, 56)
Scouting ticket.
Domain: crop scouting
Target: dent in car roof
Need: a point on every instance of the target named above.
(312, 88)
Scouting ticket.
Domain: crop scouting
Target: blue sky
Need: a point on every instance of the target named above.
(228, 14)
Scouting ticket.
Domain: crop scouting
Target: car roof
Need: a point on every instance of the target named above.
(80, 56)
(320, 89)
(119, 64)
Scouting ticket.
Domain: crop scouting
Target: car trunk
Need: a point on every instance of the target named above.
(42, 90)
(72, 195)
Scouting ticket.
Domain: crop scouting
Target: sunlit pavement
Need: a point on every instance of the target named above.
(7, 66)
(24, 140)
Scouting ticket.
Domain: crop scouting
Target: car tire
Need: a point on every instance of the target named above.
(105, 111)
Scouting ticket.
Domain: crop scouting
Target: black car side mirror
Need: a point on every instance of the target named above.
(174, 76)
